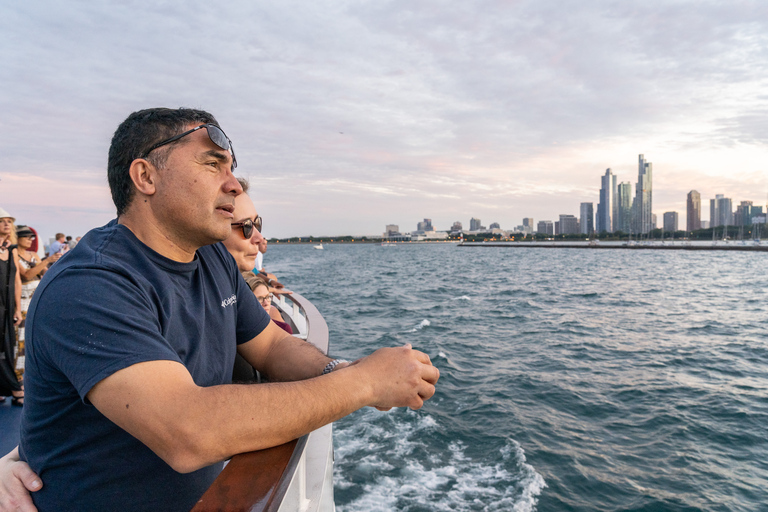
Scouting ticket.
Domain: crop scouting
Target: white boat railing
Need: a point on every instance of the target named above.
(296, 476)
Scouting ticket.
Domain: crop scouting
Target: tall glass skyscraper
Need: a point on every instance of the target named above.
(607, 207)
(624, 201)
(693, 212)
(586, 219)
(720, 211)
(643, 206)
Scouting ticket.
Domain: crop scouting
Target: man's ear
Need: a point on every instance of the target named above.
(143, 175)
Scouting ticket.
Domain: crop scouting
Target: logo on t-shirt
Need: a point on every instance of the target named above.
(228, 302)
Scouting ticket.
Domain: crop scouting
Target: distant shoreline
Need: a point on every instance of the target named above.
(667, 246)
(357, 242)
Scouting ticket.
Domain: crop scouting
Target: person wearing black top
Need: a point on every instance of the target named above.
(10, 308)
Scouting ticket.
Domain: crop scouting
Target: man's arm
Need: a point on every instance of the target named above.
(191, 427)
(282, 357)
(17, 480)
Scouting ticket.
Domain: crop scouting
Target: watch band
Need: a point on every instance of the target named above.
(330, 366)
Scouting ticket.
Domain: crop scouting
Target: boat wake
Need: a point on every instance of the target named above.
(384, 464)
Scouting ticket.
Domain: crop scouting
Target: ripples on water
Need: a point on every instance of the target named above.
(570, 379)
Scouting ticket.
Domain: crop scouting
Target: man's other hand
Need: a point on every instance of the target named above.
(17, 480)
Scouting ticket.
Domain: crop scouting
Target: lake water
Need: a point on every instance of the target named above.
(571, 380)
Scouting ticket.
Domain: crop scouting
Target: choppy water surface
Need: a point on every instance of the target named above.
(571, 380)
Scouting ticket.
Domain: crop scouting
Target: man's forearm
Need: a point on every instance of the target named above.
(293, 359)
(191, 427)
(281, 357)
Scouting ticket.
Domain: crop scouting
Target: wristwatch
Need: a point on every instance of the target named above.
(333, 364)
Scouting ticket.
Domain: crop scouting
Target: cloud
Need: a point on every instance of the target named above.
(509, 108)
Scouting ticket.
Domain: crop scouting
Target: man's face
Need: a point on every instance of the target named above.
(195, 192)
(244, 249)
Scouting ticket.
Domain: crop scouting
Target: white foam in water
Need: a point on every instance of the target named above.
(463, 297)
(452, 481)
(424, 323)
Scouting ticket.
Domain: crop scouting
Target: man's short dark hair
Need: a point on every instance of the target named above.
(139, 132)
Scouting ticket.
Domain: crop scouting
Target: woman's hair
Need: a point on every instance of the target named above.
(253, 281)
(12, 238)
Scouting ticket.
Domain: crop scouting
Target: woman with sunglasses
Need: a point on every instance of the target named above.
(245, 240)
(31, 267)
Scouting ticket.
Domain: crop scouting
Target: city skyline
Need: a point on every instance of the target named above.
(617, 211)
(721, 209)
(349, 115)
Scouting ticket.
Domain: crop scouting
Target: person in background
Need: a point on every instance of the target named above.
(260, 256)
(275, 286)
(31, 269)
(10, 309)
(71, 243)
(59, 245)
(260, 289)
(245, 241)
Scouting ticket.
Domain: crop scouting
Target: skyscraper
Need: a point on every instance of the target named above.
(624, 201)
(586, 219)
(693, 212)
(474, 224)
(643, 205)
(392, 230)
(745, 212)
(545, 227)
(569, 225)
(607, 207)
(670, 222)
(720, 211)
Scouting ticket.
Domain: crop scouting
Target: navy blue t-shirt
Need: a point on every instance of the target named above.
(110, 303)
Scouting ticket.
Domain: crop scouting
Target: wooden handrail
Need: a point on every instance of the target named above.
(257, 481)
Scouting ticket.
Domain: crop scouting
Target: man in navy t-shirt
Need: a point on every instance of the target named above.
(132, 335)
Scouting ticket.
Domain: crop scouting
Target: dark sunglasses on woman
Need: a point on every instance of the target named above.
(248, 226)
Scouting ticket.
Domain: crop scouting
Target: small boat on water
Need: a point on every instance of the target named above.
(318, 246)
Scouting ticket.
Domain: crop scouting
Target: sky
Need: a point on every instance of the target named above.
(349, 115)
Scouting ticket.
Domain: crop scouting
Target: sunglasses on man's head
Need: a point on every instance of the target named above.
(249, 225)
(215, 133)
